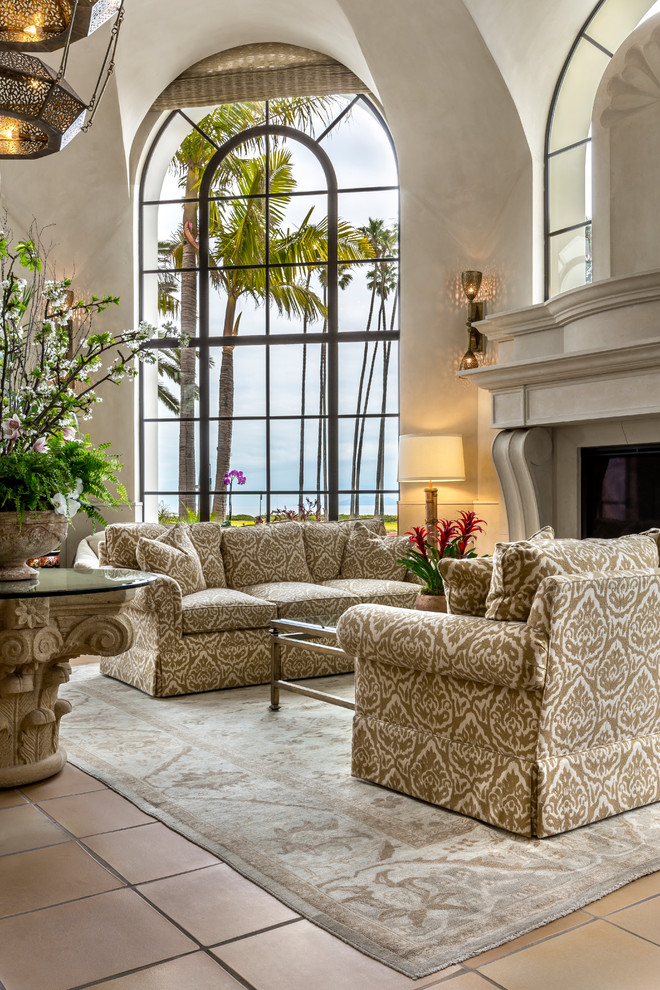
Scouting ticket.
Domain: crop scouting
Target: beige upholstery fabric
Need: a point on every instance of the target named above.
(121, 540)
(512, 654)
(467, 583)
(401, 594)
(173, 554)
(538, 754)
(254, 554)
(207, 540)
(324, 549)
(172, 654)
(295, 599)
(367, 555)
(224, 608)
(519, 568)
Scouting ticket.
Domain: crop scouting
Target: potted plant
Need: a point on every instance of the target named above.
(450, 538)
(51, 365)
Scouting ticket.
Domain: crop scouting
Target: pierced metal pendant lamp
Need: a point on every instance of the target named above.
(39, 112)
(44, 25)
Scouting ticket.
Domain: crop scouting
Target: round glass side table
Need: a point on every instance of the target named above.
(45, 622)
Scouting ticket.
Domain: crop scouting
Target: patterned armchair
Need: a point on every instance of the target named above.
(537, 725)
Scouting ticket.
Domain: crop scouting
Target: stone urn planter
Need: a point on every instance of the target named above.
(38, 534)
(431, 603)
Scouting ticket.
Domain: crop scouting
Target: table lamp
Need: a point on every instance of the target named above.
(431, 457)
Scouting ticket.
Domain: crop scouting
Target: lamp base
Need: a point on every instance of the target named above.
(431, 497)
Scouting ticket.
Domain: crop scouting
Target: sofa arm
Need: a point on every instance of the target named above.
(511, 654)
(164, 599)
(86, 559)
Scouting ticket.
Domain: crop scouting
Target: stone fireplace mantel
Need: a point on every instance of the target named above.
(582, 369)
(589, 354)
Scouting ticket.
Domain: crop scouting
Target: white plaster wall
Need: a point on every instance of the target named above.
(465, 172)
(626, 149)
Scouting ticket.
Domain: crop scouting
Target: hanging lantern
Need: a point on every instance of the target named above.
(39, 113)
(44, 25)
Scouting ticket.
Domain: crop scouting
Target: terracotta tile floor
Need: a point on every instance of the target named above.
(95, 893)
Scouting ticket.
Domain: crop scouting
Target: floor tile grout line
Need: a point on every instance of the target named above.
(605, 917)
(620, 928)
(160, 962)
(513, 952)
(260, 931)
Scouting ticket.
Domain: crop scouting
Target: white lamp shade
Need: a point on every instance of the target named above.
(431, 457)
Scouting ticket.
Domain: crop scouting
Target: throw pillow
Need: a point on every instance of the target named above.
(324, 548)
(173, 554)
(367, 555)
(121, 540)
(264, 553)
(206, 538)
(519, 568)
(467, 583)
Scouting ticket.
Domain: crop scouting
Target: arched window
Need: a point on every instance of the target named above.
(568, 141)
(269, 234)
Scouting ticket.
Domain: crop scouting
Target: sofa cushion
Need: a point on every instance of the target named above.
(295, 599)
(173, 554)
(324, 548)
(467, 583)
(121, 540)
(367, 555)
(216, 609)
(254, 554)
(325, 543)
(401, 594)
(519, 568)
(207, 540)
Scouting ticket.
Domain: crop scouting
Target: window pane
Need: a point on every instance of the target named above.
(297, 446)
(568, 261)
(297, 299)
(298, 230)
(296, 371)
(377, 212)
(175, 380)
(171, 453)
(369, 298)
(237, 235)
(566, 177)
(236, 300)
(369, 370)
(361, 152)
(572, 116)
(615, 20)
(244, 450)
(291, 160)
(288, 506)
(171, 298)
(245, 508)
(243, 381)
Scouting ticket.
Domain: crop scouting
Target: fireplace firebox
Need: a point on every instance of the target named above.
(620, 489)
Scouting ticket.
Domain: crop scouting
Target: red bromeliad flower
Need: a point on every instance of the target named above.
(445, 531)
(467, 526)
(418, 536)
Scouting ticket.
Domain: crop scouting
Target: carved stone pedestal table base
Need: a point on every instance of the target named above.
(44, 623)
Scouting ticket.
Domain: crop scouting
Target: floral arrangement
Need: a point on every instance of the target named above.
(51, 365)
(450, 538)
(229, 479)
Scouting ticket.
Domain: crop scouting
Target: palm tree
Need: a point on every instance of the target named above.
(381, 280)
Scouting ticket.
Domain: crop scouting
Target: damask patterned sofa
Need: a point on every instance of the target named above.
(535, 705)
(205, 623)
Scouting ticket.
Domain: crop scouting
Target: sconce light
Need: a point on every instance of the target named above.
(424, 456)
(471, 282)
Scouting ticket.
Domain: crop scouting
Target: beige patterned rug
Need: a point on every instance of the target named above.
(412, 885)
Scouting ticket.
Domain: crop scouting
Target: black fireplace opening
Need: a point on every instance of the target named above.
(620, 489)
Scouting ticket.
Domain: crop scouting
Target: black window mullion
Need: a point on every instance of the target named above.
(267, 314)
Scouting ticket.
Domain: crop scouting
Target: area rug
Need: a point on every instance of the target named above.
(412, 885)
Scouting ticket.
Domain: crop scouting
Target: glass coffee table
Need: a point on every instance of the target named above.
(303, 633)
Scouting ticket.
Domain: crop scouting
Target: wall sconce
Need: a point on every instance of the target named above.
(471, 282)
(431, 456)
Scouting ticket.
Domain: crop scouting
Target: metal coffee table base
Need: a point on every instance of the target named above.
(289, 633)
